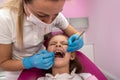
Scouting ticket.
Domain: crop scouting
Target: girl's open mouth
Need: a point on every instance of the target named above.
(59, 54)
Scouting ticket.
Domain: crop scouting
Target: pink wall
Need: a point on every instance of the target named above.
(1, 0)
(75, 8)
(104, 32)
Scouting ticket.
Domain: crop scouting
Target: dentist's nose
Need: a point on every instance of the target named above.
(48, 20)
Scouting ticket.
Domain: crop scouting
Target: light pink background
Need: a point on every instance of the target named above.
(76, 8)
(104, 30)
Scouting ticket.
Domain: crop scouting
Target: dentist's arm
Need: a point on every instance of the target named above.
(41, 60)
(70, 30)
(6, 61)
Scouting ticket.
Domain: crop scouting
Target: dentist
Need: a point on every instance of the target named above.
(23, 24)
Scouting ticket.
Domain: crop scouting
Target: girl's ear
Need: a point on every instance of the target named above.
(72, 56)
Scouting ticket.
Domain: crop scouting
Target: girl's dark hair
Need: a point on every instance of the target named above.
(76, 64)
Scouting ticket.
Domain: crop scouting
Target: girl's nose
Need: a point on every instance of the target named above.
(58, 45)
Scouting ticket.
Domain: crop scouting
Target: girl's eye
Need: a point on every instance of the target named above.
(65, 43)
(52, 44)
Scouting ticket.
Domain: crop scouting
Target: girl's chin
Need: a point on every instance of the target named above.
(58, 61)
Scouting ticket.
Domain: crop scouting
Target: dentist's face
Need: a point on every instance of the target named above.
(45, 10)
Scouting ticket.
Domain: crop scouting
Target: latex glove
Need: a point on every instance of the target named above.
(42, 60)
(74, 43)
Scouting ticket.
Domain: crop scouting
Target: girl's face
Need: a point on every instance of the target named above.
(58, 44)
(45, 10)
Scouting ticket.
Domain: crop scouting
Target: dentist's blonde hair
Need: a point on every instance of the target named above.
(16, 6)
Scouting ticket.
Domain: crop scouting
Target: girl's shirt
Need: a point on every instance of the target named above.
(66, 76)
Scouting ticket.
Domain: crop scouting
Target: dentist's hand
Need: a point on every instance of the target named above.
(42, 60)
(74, 43)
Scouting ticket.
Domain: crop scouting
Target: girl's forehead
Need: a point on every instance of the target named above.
(59, 37)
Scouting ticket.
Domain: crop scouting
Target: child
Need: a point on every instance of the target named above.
(66, 66)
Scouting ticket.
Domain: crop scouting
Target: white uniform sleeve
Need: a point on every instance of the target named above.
(5, 33)
(85, 75)
(41, 78)
(61, 22)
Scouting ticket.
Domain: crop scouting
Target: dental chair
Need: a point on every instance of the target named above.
(88, 65)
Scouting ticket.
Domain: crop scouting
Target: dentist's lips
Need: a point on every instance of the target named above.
(59, 54)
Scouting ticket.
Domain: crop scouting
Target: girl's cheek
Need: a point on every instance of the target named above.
(50, 49)
(65, 48)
